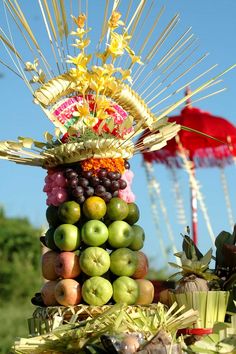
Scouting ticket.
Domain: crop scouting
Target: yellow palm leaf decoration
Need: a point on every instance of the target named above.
(99, 103)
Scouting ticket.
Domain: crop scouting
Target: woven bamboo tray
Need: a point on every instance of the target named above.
(45, 319)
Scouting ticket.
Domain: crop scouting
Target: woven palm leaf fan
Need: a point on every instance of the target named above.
(98, 102)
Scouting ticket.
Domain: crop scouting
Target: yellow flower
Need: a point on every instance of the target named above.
(114, 21)
(136, 59)
(74, 73)
(98, 83)
(80, 20)
(31, 66)
(80, 80)
(98, 70)
(80, 86)
(80, 61)
(80, 32)
(101, 114)
(112, 84)
(39, 78)
(105, 70)
(116, 47)
(103, 56)
(126, 75)
(102, 102)
(119, 42)
(82, 110)
(90, 121)
(94, 83)
(109, 69)
(81, 43)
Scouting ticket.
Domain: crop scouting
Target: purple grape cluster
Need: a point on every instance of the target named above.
(83, 184)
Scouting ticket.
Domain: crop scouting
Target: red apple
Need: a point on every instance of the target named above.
(48, 265)
(48, 293)
(67, 265)
(142, 266)
(68, 292)
(146, 292)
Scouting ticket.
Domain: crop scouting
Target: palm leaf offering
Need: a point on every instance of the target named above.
(211, 305)
(200, 288)
(118, 319)
(115, 93)
(104, 72)
(222, 340)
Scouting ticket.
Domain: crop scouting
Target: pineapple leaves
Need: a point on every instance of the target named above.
(174, 265)
(190, 248)
(205, 260)
(193, 261)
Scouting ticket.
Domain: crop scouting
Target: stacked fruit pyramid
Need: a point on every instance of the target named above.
(94, 241)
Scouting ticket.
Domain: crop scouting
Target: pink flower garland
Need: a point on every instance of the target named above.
(55, 187)
(126, 194)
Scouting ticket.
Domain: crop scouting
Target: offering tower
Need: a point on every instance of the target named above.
(94, 240)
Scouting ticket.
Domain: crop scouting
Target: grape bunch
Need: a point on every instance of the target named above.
(84, 184)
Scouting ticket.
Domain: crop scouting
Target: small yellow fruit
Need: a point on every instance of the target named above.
(94, 208)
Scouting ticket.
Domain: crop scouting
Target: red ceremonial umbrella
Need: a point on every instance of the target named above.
(201, 150)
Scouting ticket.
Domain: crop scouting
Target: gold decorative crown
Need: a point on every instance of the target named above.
(95, 101)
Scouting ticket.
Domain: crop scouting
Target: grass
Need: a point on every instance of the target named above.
(13, 322)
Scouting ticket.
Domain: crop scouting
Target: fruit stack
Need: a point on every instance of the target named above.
(94, 241)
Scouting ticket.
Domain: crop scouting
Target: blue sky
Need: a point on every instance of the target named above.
(213, 22)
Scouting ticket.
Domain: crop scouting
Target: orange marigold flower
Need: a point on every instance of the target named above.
(112, 165)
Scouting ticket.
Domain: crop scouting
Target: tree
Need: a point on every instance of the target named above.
(20, 253)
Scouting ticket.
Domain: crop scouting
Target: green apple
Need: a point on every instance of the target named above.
(117, 209)
(139, 237)
(94, 261)
(94, 233)
(120, 234)
(133, 215)
(125, 290)
(49, 239)
(123, 262)
(97, 291)
(67, 237)
(69, 212)
(52, 216)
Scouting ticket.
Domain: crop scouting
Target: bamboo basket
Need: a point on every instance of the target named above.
(211, 306)
(45, 319)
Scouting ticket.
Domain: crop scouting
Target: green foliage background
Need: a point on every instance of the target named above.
(20, 276)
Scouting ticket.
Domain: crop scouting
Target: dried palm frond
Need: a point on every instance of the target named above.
(70, 338)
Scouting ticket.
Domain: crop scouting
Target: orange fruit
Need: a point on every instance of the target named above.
(69, 212)
(94, 208)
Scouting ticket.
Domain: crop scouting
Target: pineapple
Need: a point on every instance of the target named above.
(194, 268)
